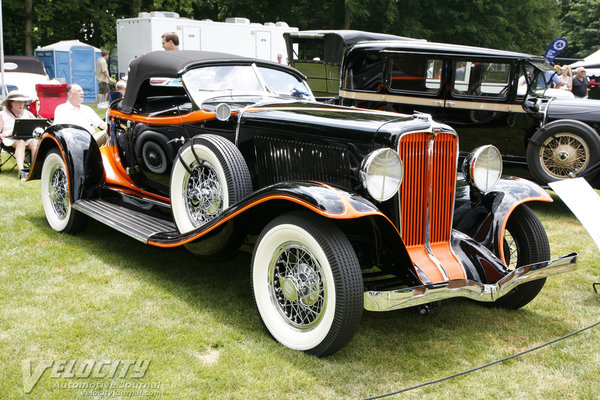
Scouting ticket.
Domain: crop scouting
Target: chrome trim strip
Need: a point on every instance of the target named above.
(433, 102)
(415, 296)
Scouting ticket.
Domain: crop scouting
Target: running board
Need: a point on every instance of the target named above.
(132, 223)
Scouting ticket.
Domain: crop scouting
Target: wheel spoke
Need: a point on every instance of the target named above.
(203, 194)
(564, 154)
(296, 285)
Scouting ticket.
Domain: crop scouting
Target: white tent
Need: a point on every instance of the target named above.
(591, 64)
(591, 61)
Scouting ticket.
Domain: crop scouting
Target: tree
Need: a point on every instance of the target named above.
(580, 24)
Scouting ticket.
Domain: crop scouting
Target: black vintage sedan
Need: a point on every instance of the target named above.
(489, 96)
(350, 209)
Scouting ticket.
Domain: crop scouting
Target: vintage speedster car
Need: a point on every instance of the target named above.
(351, 209)
(489, 96)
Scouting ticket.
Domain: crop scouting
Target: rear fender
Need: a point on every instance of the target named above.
(81, 156)
(484, 217)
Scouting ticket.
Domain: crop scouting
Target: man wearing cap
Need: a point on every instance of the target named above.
(76, 113)
(14, 107)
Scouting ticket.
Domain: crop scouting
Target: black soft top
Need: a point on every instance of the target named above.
(28, 64)
(170, 64)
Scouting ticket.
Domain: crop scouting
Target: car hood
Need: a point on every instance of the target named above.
(579, 109)
(327, 117)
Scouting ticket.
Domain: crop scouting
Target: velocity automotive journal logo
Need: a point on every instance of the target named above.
(85, 369)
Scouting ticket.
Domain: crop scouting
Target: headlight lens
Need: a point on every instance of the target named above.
(483, 168)
(381, 173)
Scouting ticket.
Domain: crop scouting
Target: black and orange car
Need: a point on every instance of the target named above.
(350, 209)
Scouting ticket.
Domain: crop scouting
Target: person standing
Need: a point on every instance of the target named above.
(73, 112)
(170, 41)
(580, 84)
(103, 78)
(14, 107)
(567, 78)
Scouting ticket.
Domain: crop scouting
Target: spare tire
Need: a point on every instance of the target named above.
(209, 175)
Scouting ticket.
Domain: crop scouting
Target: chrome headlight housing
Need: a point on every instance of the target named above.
(483, 168)
(381, 173)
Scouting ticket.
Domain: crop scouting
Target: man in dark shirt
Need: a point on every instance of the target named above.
(580, 84)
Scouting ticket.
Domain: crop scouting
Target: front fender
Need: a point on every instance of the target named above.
(356, 216)
(273, 200)
(484, 217)
(81, 156)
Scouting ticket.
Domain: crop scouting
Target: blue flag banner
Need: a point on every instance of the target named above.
(555, 47)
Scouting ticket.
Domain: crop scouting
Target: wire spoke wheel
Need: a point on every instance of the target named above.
(209, 175)
(55, 196)
(203, 194)
(564, 154)
(58, 192)
(307, 283)
(296, 286)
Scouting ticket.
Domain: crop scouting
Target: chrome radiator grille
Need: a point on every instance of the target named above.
(427, 191)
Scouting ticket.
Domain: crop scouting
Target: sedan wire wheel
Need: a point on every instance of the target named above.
(564, 154)
(203, 193)
(296, 286)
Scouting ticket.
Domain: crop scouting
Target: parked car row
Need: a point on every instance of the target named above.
(351, 208)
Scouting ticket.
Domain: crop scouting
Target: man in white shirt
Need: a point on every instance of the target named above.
(76, 113)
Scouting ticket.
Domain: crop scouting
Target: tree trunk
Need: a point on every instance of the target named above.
(347, 16)
(28, 27)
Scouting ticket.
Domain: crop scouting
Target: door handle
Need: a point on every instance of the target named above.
(438, 102)
(450, 103)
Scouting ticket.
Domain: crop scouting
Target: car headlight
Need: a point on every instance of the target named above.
(381, 173)
(483, 168)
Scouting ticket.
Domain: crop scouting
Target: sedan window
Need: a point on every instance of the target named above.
(479, 78)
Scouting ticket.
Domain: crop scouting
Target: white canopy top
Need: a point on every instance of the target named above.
(65, 45)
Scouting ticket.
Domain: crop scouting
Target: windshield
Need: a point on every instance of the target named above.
(243, 80)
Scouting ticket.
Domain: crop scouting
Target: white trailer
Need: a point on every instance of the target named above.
(138, 36)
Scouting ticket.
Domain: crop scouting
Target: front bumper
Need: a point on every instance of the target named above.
(418, 295)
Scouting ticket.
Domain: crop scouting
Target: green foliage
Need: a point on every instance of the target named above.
(580, 25)
(526, 26)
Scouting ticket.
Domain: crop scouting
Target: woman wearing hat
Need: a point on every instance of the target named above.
(14, 107)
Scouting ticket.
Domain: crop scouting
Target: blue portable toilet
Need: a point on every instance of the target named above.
(71, 61)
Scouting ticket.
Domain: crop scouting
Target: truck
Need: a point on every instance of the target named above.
(138, 36)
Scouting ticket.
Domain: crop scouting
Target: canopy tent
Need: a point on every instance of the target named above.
(591, 61)
(591, 64)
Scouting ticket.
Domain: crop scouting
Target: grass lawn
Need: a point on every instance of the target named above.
(100, 298)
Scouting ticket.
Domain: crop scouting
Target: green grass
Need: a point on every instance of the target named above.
(103, 296)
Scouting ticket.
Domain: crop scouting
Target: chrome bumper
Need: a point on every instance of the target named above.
(415, 296)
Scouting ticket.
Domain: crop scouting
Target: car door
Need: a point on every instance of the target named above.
(479, 102)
